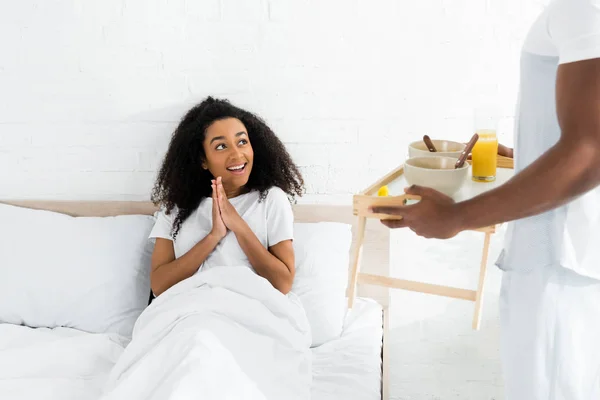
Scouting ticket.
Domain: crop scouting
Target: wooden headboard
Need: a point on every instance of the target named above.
(375, 255)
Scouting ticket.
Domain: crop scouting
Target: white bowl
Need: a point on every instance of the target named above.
(445, 148)
(437, 173)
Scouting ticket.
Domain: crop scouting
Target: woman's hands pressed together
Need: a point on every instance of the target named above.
(219, 230)
(276, 264)
(229, 216)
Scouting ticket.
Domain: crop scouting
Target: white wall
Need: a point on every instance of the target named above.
(90, 91)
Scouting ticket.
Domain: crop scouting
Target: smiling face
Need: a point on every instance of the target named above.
(228, 154)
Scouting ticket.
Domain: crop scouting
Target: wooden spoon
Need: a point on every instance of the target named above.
(429, 144)
(463, 156)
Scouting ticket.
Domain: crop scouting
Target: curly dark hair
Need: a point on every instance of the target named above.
(183, 184)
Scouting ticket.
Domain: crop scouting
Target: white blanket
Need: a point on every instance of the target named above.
(55, 364)
(223, 334)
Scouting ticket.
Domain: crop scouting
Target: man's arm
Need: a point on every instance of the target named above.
(567, 170)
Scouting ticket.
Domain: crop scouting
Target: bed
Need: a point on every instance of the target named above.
(351, 366)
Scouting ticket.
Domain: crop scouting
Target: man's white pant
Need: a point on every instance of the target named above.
(550, 335)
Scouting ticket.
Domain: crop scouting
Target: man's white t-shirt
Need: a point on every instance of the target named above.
(569, 236)
(271, 219)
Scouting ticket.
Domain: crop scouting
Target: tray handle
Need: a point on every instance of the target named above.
(363, 202)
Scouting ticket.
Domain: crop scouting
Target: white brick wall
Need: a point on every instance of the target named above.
(90, 91)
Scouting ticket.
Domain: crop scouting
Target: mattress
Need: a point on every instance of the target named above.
(68, 364)
(350, 367)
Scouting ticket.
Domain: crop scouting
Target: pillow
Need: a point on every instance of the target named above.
(322, 252)
(87, 273)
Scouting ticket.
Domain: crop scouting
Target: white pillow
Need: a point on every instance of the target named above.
(322, 252)
(87, 273)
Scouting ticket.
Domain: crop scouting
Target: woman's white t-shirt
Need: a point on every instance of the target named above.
(271, 219)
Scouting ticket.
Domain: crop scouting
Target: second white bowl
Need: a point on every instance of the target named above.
(445, 148)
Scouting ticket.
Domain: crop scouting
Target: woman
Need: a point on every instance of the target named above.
(223, 189)
(224, 332)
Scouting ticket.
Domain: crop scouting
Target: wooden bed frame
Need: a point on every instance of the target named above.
(374, 252)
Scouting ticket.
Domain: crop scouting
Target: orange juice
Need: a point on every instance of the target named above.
(485, 156)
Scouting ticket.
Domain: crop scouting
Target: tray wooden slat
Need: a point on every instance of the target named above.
(390, 176)
(368, 198)
(421, 287)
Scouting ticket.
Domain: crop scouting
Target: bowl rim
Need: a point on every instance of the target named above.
(411, 145)
(446, 170)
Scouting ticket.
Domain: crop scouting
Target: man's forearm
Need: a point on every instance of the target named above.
(563, 173)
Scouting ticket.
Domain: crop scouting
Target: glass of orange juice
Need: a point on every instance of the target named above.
(485, 151)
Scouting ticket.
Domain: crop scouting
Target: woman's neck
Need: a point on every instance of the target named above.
(234, 192)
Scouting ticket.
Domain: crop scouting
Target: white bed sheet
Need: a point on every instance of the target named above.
(350, 367)
(60, 363)
(68, 364)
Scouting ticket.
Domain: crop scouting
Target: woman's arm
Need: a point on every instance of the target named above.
(277, 264)
(168, 271)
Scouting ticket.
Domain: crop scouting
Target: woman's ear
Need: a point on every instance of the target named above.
(204, 165)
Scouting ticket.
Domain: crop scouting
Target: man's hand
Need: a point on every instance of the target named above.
(503, 151)
(435, 216)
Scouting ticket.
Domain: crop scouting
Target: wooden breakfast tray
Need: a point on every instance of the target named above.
(396, 184)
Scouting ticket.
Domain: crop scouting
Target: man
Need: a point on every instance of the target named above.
(550, 297)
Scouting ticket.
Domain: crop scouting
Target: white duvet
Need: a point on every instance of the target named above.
(223, 334)
(55, 364)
